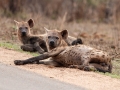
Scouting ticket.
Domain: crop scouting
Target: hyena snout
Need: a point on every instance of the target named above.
(52, 43)
(23, 33)
(23, 30)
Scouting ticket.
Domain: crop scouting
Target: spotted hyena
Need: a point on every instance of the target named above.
(77, 56)
(30, 42)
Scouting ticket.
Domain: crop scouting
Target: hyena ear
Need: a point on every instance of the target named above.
(31, 23)
(64, 34)
(16, 22)
(46, 30)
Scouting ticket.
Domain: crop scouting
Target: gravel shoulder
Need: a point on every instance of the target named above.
(89, 80)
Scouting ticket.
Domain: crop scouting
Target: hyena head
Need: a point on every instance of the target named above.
(24, 27)
(55, 38)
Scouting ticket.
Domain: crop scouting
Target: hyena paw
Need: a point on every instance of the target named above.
(22, 47)
(86, 68)
(18, 62)
(73, 66)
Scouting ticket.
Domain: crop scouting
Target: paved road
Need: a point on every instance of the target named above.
(12, 78)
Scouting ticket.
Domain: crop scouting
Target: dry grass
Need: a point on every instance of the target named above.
(94, 10)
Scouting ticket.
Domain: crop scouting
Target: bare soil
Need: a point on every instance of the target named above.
(89, 80)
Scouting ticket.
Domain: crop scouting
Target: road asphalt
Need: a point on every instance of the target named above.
(13, 78)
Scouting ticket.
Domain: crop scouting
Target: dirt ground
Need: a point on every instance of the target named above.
(89, 80)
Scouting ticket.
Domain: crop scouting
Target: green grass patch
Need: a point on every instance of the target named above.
(8, 45)
(113, 75)
(15, 47)
(116, 66)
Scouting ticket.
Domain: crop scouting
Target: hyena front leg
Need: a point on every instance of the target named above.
(38, 48)
(28, 47)
(32, 48)
(32, 60)
(46, 55)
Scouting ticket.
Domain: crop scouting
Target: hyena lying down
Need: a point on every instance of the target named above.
(30, 42)
(34, 43)
(78, 56)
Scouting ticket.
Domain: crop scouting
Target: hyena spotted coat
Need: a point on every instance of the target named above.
(77, 56)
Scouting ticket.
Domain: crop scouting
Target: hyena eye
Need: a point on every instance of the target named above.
(57, 38)
(20, 28)
(26, 27)
(49, 37)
